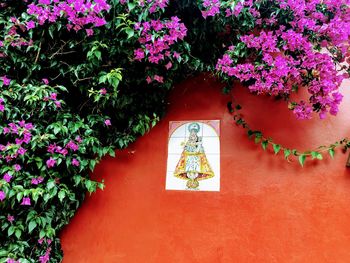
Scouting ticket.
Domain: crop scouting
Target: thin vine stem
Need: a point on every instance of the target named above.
(259, 138)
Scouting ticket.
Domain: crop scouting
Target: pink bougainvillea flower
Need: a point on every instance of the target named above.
(58, 104)
(169, 65)
(139, 54)
(89, 31)
(25, 201)
(78, 139)
(7, 177)
(73, 146)
(53, 96)
(21, 151)
(2, 106)
(75, 162)
(51, 148)
(103, 91)
(176, 55)
(36, 181)
(2, 195)
(46, 257)
(160, 79)
(45, 81)
(50, 162)
(6, 80)
(30, 25)
(17, 167)
(148, 79)
(108, 122)
(10, 218)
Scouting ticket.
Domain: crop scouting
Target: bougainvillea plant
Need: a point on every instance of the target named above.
(79, 79)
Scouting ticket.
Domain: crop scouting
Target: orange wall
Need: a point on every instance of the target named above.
(268, 210)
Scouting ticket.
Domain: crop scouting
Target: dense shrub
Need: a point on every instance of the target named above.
(82, 78)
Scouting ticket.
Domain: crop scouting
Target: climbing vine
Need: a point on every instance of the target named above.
(264, 141)
(79, 79)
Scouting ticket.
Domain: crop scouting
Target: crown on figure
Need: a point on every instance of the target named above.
(194, 127)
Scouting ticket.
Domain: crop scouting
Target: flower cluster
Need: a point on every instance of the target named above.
(53, 97)
(14, 149)
(72, 145)
(156, 39)
(284, 58)
(80, 14)
(212, 7)
(2, 105)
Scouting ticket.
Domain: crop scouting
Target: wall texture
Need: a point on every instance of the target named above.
(268, 210)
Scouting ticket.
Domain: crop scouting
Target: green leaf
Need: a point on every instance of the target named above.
(319, 156)
(42, 233)
(10, 231)
(31, 226)
(61, 195)
(111, 153)
(287, 152)
(264, 144)
(276, 148)
(50, 184)
(131, 5)
(302, 159)
(130, 32)
(18, 233)
(331, 152)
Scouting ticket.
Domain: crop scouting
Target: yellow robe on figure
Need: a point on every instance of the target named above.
(193, 161)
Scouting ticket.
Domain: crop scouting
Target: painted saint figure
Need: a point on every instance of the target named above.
(193, 164)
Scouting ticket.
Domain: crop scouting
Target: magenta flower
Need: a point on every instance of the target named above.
(58, 104)
(53, 96)
(89, 31)
(2, 106)
(30, 25)
(78, 139)
(25, 201)
(36, 181)
(158, 78)
(71, 145)
(51, 162)
(2, 195)
(108, 122)
(17, 167)
(21, 151)
(7, 177)
(148, 79)
(139, 54)
(45, 81)
(10, 218)
(51, 148)
(6, 81)
(75, 162)
(45, 258)
(169, 65)
(103, 91)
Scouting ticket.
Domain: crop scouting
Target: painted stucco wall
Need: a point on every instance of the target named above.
(268, 210)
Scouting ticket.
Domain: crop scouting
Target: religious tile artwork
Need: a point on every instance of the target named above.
(193, 155)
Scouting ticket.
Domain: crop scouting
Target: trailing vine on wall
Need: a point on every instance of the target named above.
(260, 138)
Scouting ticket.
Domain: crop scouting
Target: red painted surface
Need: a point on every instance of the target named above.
(268, 210)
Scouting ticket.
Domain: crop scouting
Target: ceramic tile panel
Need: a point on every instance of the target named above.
(193, 155)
